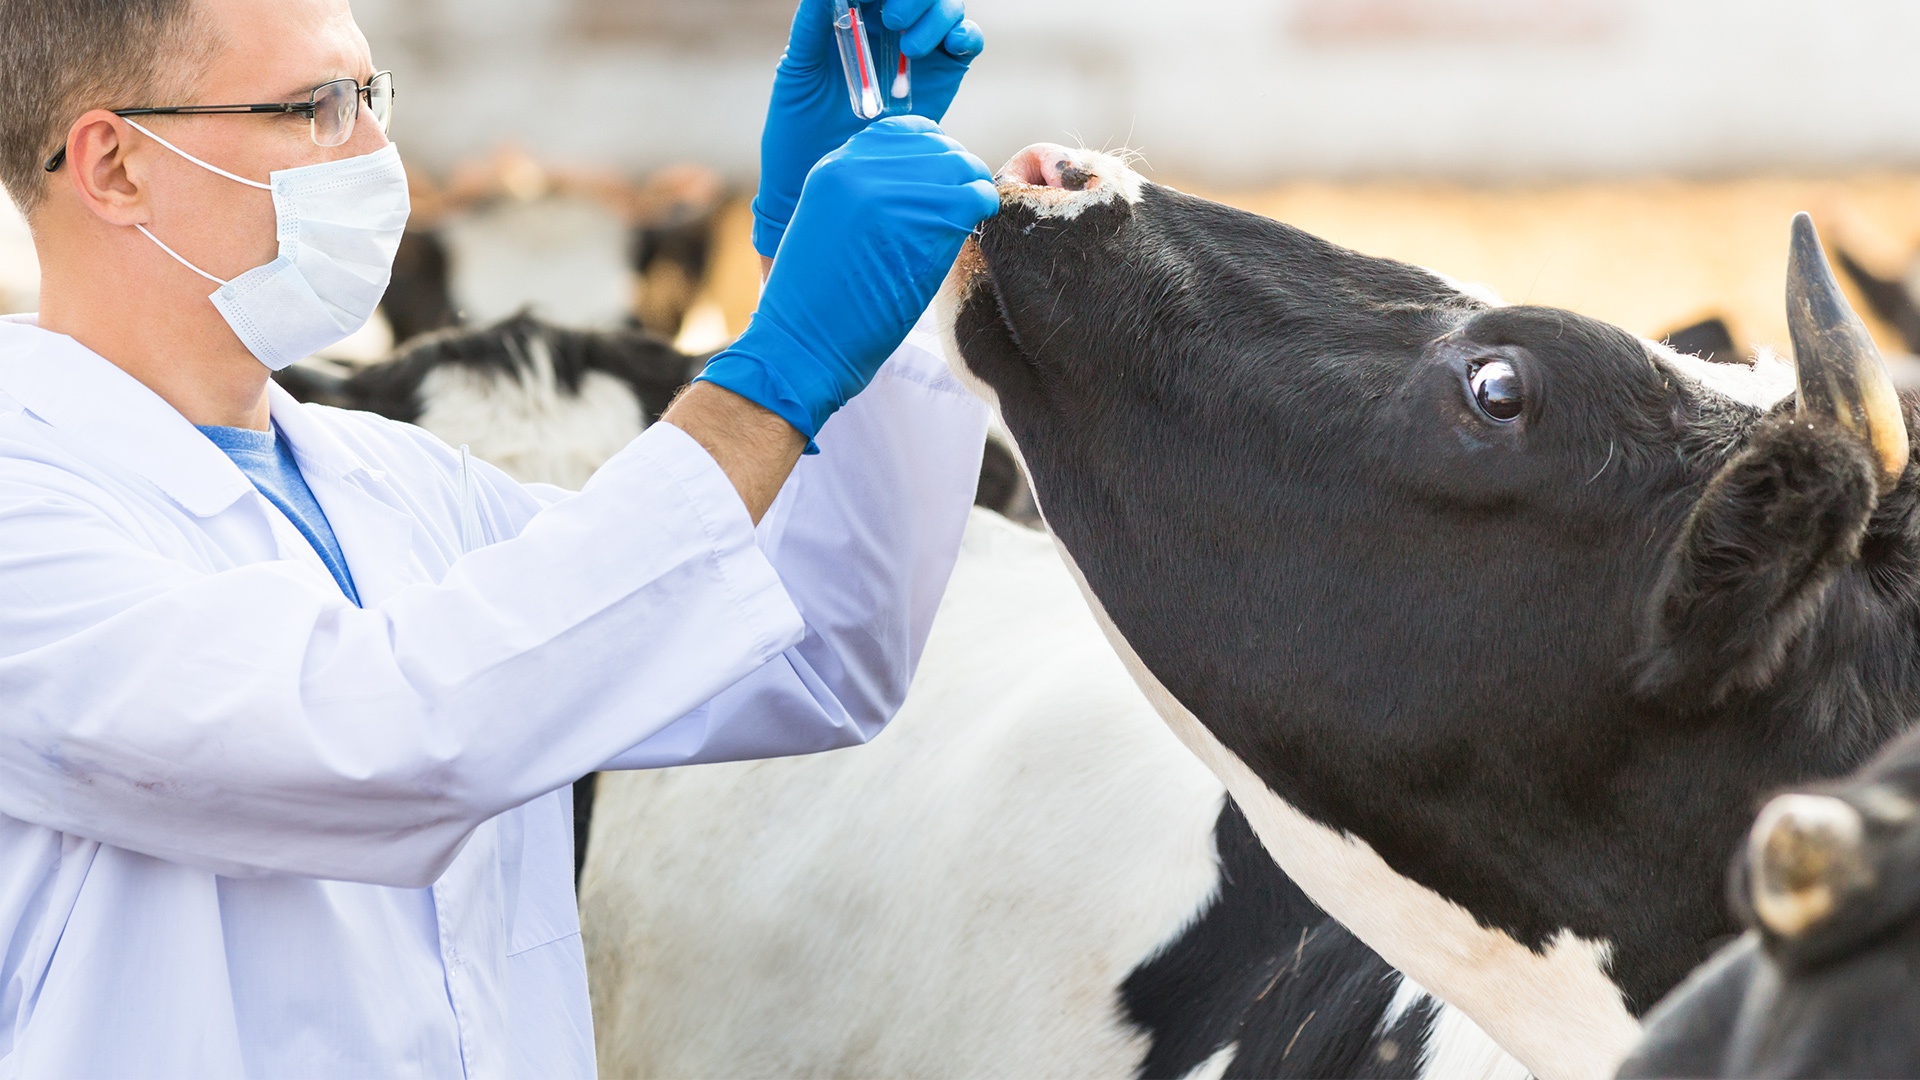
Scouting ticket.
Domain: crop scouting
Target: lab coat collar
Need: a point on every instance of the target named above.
(110, 413)
(320, 453)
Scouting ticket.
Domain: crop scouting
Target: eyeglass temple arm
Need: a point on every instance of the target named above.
(60, 157)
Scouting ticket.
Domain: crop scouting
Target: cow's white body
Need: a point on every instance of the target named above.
(963, 897)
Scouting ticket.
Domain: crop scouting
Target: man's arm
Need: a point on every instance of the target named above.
(252, 720)
(754, 447)
(865, 538)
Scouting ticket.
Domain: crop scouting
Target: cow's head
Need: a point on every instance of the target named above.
(1525, 606)
(1827, 980)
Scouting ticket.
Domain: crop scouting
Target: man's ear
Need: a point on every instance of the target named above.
(101, 171)
(1756, 560)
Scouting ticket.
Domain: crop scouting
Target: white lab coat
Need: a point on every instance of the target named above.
(249, 829)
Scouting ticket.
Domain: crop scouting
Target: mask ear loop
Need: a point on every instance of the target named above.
(141, 128)
(137, 126)
(179, 258)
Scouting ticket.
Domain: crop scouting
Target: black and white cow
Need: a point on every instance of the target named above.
(546, 403)
(1826, 981)
(1495, 621)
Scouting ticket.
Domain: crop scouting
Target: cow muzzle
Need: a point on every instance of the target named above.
(1053, 181)
(1043, 182)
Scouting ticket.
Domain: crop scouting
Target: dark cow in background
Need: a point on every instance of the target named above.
(1709, 339)
(419, 300)
(1893, 301)
(1495, 621)
(1826, 981)
(671, 246)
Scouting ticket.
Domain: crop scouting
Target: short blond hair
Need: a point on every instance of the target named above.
(60, 58)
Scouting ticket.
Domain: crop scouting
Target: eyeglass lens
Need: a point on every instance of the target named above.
(336, 106)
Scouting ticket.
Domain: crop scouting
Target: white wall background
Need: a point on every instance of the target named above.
(1224, 92)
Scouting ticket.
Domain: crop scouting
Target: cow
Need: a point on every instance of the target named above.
(1826, 980)
(1495, 621)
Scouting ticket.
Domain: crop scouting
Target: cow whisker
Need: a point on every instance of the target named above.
(1604, 464)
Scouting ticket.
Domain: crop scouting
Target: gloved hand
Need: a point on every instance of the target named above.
(878, 226)
(809, 116)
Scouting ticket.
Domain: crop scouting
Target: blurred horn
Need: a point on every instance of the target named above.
(1839, 369)
(1805, 851)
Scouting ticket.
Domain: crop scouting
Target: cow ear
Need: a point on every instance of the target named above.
(1776, 526)
(1755, 561)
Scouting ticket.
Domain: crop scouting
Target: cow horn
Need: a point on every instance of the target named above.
(1837, 366)
(1804, 853)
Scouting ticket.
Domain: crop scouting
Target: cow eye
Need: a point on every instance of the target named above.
(1496, 389)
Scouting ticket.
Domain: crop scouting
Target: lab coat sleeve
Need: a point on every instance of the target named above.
(252, 721)
(865, 535)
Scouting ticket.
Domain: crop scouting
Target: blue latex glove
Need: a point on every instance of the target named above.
(809, 116)
(878, 226)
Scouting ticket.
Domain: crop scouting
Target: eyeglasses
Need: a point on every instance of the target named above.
(330, 110)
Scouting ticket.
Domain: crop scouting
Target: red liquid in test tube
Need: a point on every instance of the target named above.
(869, 92)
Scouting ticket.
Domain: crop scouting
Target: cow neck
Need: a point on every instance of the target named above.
(1555, 1010)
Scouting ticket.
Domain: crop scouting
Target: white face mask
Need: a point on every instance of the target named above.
(339, 227)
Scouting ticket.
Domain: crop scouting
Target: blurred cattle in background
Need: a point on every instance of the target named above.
(548, 404)
(1826, 981)
(578, 248)
(1709, 339)
(1894, 301)
(419, 300)
(19, 266)
(671, 250)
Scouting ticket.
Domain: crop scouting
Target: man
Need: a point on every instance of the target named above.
(289, 703)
